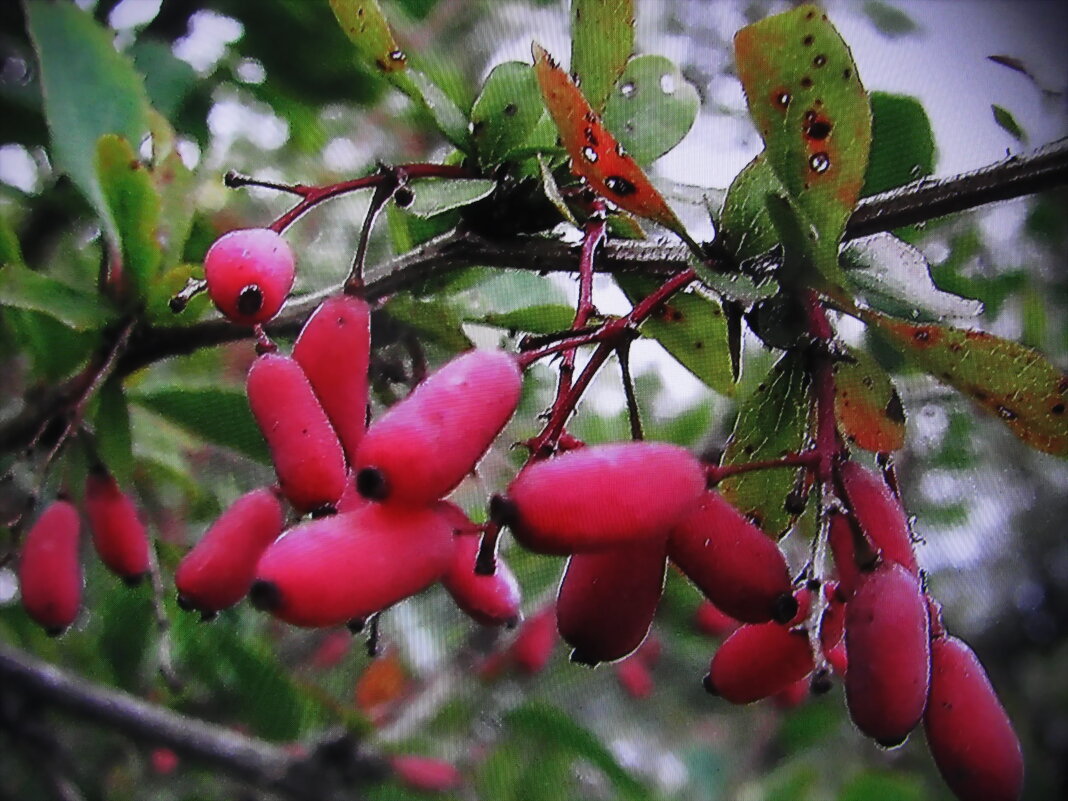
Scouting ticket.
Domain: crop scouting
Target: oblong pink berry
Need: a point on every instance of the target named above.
(307, 456)
(759, 660)
(119, 536)
(533, 645)
(351, 565)
(491, 600)
(842, 542)
(878, 513)
(607, 600)
(249, 273)
(50, 573)
(425, 445)
(334, 349)
(218, 571)
(735, 564)
(426, 774)
(971, 738)
(602, 496)
(887, 641)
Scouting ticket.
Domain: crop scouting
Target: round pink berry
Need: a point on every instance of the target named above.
(249, 274)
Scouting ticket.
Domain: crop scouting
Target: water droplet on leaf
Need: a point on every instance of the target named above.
(627, 89)
(819, 162)
(621, 186)
(589, 154)
(667, 84)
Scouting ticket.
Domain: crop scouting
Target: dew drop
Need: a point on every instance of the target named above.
(620, 150)
(782, 99)
(589, 154)
(819, 162)
(819, 60)
(510, 110)
(397, 56)
(667, 84)
(915, 171)
(627, 89)
(621, 186)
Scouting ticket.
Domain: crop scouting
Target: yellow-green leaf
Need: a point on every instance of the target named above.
(367, 27)
(602, 39)
(866, 404)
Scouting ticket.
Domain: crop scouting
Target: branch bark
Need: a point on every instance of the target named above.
(334, 771)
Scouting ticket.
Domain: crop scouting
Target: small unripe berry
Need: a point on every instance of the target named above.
(50, 574)
(878, 513)
(607, 600)
(334, 349)
(634, 676)
(759, 660)
(735, 564)
(249, 273)
(425, 445)
(119, 536)
(331, 570)
(970, 736)
(307, 456)
(491, 600)
(218, 571)
(602, 496)
(713, 621)
(887, 640)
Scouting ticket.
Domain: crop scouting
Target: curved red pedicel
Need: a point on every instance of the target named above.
(119, 536)
(50, 573)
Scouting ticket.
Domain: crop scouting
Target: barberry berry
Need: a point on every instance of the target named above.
(50, 573)
(119, 536)
(249, 273)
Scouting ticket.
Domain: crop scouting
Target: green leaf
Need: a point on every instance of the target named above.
(889, 20)
(552, 190)
(505, 114)
(436, 195)
(126, 621)
(55, 349)
(216, 415)
(1003, 117)
(746, 229)
(135, 207)
(651, 108)
(447, 116)
(90, 90)
(691, 328)
(540, 319)
(168, 79)
(867, 407)
(772, 422)
(902, 143)
(111, 427)
(1015, 383)
(434, 318)
(883, 786)
(811, 110)
(365, 24)
(23, 288)
(602, 39)
(10, 250)
(175, 185)
(894, 278)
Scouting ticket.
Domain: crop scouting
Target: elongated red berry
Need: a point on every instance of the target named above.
(878, 513)
(424, 446)
(841, 538)
(119, 536)
(713, 621)
(334, 349)
(634, 676)
(491, 600)
(735, 564)
(307, 456)
(337, 568)
(249, 274)
(426, 774)
(759, 660)
(832, 621)
(533, 645)
(50, 573)
(607, 600)
(970, 736)
(218, 571)
(602, 496)
(887, 640)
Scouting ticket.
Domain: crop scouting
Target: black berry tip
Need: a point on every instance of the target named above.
(356, 625)
(207, 616)
(185, 604)
(371, 483)
(821, 683)
(55, 631)
(710, 688)
(134, 579)
(784, 608)
(250, 300)
(503, 510)
(265, 595)
(579, 658)
(890, 743)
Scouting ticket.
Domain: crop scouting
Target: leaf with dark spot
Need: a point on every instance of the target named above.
(867, 406)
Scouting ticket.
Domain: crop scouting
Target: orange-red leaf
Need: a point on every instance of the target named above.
(867, 405)
(595, 153)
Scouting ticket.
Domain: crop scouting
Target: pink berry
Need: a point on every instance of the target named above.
(759, 660)
(249, 273)
(491, 600)
(50, 573)
(878, 513)
(119, 536)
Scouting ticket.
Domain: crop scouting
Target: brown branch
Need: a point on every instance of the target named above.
(333, 771)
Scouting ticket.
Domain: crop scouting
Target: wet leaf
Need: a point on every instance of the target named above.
(809, 105)
(135, 207)
(595, 154)
(23, 288)
(10, 249)
(1015, 383)
(438, 195)
(867, 405)
(111, 430)
(889, 20)
(651, 108)
(448, 117)
(541, 319)
(746, 229)
(1003, 117)
(772, 422)
(902, 143)
(895, 278)
(434, 318)
(691, 328)
(367, 27)
(602, 39)
(505, 114)
(733, 285)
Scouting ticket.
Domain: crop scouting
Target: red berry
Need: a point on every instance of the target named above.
(832, 621)
(426, 774)
(119, 536)
(249, 274)
(759, 660)
(164, 761)
(713, 621)
(607, 600)
(50, 574)
(634, 676)
(334, 569)
(735, 564)
(878, 513)
(841, 540)
(602, 496)
(970, 736)
(886, 636)
(422, 447)
(533, 646)
(333, 349)
(490, 600)
(307, 455)
(793, 695)
(218, 571)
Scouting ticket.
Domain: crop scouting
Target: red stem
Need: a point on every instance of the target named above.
(716, 473)
(823, 378)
